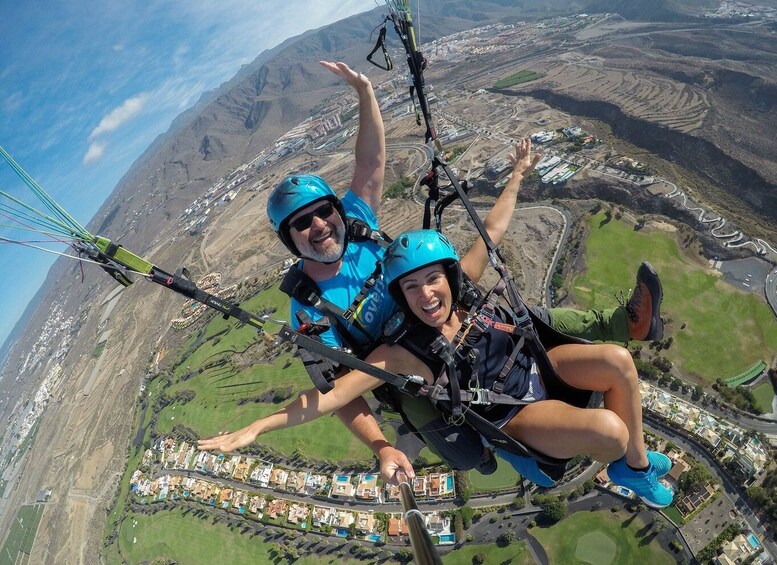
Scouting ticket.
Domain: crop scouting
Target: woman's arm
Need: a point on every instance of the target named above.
(475, 261)
(313, 404)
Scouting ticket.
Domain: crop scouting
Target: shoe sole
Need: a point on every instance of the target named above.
(653, 283)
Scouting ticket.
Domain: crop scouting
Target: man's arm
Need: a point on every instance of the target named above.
(370, 167)
(358, 418)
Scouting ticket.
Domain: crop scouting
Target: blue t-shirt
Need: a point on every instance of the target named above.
(358, 264)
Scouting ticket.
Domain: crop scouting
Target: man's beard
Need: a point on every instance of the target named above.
(333, 253)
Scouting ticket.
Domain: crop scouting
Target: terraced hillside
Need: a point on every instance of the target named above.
(660, 100)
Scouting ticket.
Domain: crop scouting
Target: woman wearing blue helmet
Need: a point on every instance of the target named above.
(424, 274)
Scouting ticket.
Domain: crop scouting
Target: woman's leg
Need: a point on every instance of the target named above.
(563, 431)
(608, 369)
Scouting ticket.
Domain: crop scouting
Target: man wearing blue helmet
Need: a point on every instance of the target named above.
(310, 220)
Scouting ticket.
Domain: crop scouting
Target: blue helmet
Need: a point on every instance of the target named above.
(293, 194)
(415, 250)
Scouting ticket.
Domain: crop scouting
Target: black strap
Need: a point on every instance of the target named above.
(409, 384)
(300, 286)
(182, 284)
(368, 284)
(430, 181)
(381, 44)
(321, 369)
(359, 230)
(107, 264)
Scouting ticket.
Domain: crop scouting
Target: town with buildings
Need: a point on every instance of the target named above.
(174, 470)
(247, 475)
(731, 443)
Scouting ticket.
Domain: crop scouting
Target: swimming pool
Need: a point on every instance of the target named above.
(369, 477)
(450, 482)
(447, 538)
(341, 479)
(342, 532)
(753, 541)
(374, 537)
(623, 491)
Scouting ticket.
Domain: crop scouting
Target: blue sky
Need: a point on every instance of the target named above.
(86, 86)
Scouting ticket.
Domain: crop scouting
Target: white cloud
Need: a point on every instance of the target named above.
(94, 152)
(13, 102)
(119, 116)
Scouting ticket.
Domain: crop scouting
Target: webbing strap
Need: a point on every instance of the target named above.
(410, 384)
(300, 286)
(368, 284)
(381, 44)
(359, 230)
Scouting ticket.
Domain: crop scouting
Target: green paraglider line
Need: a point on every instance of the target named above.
(56, 209)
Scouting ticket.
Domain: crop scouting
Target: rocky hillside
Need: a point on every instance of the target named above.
(283, 85)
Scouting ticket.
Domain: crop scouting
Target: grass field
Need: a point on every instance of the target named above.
(600, 538)
(220, 335)
(504, 477)
(674, 515)
(517, 78)
(513, 554)
(219, 390)
(764, 393)
(726, 331)
(18, 544)
(191, 540)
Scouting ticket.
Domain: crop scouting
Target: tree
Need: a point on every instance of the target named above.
(506, 538)
(466, 516)
(462, 486)
(694, 479)
(479, 558)
(554, 510)
(291, 553)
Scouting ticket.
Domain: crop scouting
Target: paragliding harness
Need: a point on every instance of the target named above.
(457, 398)
(304, 289)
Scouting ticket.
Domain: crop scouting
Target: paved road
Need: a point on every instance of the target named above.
(733, 491)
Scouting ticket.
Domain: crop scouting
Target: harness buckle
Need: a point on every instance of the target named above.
(479, 396)
(411, 380)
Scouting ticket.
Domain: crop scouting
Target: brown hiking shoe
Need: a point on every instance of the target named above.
(644, 306)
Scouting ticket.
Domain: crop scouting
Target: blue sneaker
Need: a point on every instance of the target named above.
(644, 483)
(660, 462)
(527, 468)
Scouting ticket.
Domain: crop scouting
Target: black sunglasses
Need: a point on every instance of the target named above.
(303, 222)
